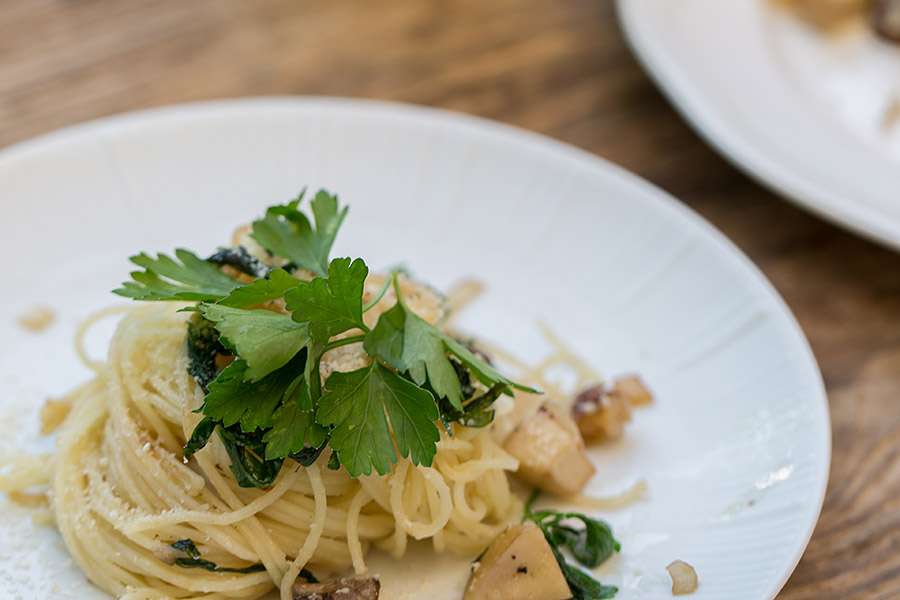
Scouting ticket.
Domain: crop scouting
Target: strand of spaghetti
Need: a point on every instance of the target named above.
(459, 296)
(85, 326)
(360, 499)
(627, 497)
(421, 530)
(252, 532)
(25, 472)
(563, 350)
(285, 481)
(315, 532)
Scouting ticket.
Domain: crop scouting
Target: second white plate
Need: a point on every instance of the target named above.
(802, 113)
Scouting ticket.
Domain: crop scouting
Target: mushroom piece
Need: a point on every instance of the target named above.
(886, 19)
(518, 565)
(344, 588)
(550, 452)
(633, 390)
(600, 414)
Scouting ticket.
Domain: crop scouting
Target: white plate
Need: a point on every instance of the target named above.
(736, 448)
(799, 111)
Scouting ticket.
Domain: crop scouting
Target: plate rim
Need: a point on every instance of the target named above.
(686, 99)
(660, 197)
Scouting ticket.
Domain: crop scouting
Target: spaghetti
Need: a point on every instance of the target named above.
(120, 492)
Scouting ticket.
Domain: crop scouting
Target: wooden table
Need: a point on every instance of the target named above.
(560, 67)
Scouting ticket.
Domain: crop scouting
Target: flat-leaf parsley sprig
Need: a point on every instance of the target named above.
(255, 343)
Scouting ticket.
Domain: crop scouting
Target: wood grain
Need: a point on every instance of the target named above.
(558, 67)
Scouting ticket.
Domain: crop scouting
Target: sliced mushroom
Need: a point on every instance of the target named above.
(600, 414)
(886, 19)
(550, 452)
(344, 588)
(518, 565)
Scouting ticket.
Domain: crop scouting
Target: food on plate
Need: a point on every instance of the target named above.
(831, 15)
(886, 19)
(684, 577)
(267, 416)
(37, 318)
(519, 564)
(601, 413)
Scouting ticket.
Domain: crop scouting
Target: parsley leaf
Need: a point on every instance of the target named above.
(582, 585)
(264, 340)
(165, 278)
(483, 372)
(202, 347)
(195, 560)
(410, 344)
(365, 407)
(200, 436)
(590, 541)
(232, 399)
(287, 232)
(273, 287)
(293, 425)
(246, 451)
(331, 305)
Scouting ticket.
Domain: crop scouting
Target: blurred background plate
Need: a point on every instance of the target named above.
(736, 448)
(806, 113)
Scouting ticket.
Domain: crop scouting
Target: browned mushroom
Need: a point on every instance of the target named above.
(886, 19)
(600, 414)
(518, 565)
(550, 452)
(344, 588)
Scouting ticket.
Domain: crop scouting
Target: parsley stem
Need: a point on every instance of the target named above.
(353, 339)
(377, 298)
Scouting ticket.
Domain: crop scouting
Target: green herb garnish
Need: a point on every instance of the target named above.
(269, 403)
(185, 277)
(590, 542)
(193, 560)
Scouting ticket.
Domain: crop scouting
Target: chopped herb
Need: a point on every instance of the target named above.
(194, 561)
(309, 454)
(187, 546)
(241, 260)
(202, 347)
(246, 452)
(334, 462)
(200, 436)
(590, 541)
